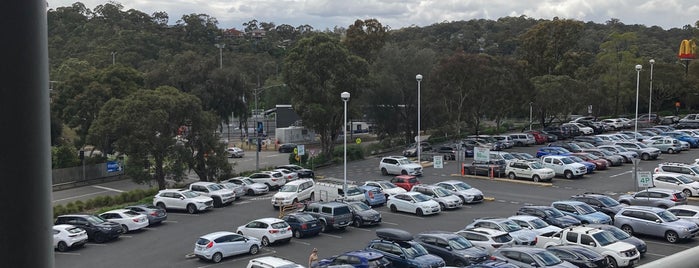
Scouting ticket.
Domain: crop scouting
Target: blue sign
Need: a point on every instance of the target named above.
(113, 166)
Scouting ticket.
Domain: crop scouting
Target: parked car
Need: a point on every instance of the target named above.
(454, 249)
(506, 141)
(551, 151)
(614, 159)
(628, 155)
(689, 170)
(550, 215)
(531, 257)
(411, 149)
(289, 175)
(129, 220)
(399, 165)
(523, 139)
(590, 167)
(539, 136)
(182, 199)
(534, 223)
(490, 168)
(373, 196)
(667, 144)
(655, 221)
(521, 235)
(301, 171)
(623, 236)
(218, 245)
(644, 152)
(221, 195)
(332, 215)
(445, 198)
(405, 181)
(302, 224)
(386, 187)
(287, 147)
(294, 192)
(235, 152)
(693, 142)
(677, 182)
(273, 179)
(413, 202)
(272, 262)
(363, 214)
(594, 140)
(97, 228)
(689, 121)
(579, 256)
(251, 187)
(600, 164)
(399, 247)
(66, 236)
(654, 197)
(267, 230)
(568, 145)
(581, 211)
(600, 202)
(468, 194)
(449, 152)
(687, 212)
(486, 238)
(355, 259)
(529, 170)
(238, 190)
(155, 214)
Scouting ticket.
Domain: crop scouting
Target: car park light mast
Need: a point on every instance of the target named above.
(638, 80)
(417, 139)
(650, 97)
(345, 98)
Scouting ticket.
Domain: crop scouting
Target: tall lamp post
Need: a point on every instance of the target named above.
(530, 115)
(417, 139)
(114, 57)
(220, 55)
(638, 80)
(345, 98)
(650, 97)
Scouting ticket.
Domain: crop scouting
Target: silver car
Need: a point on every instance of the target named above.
(531, 257)
(628, 155)
(521, 235)
(654, 197)
(687, 212)
(251, 187)
(655, 222)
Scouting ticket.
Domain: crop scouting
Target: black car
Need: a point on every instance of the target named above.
(550, 215)
(454, 249)
(301, 171)
(561, 132)
(97, 228)
(287, 148)
(600, 202)
(579, 256)
(570, 146)
(490, 168)
(302, 224)
(449, 152)
(155, 214)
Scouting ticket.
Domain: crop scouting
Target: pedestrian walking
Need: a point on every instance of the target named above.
(313, 258)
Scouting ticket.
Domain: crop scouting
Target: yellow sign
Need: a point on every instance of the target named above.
(358, 140)
(688, 49)
(296, 150)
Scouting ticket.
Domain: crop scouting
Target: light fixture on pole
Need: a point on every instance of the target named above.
(650, 97)
(345, 98)
(114, 57)
(638, 80)
(418, 145)
(530, 115)
(220, 54)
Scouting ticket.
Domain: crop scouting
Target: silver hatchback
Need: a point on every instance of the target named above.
(654, 197)
(655, 221)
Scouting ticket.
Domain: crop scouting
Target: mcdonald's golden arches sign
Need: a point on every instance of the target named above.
(688, 49)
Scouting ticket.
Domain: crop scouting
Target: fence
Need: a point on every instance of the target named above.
(64, 178)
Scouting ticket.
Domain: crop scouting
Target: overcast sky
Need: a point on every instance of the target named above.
(326, 14)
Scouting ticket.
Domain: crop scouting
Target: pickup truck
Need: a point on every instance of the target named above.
(563, 166)
(618, 253)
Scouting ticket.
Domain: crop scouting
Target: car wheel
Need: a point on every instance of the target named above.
(265, 241)
(384, 172)
(323, 226)
(419, 212)
(124, 228)
(645, 156)
(568, 174)
(672, 237)
(160, 205)
(191, 209)
(100, 238)
(251, 192)
(536, 178)
(627, 229)
(403, 172)
(393, 208)
(217, 257)
(313, 197)
(459, 263)
(512, 176)
(687, 192)
(611, 262)
(62, 246)
(670, 151)
(297, 234)
(254, 249)
(358, 222)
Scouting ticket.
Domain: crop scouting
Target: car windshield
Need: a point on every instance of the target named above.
(618, 233)
(421, 198)
(462, 186)
(95, 219)
(413, 250)
(607, 153)
(441, 192)
(608, 201)
(641, 145)
(458, 242)
(574, 146)
(536, 165)
(592, 156)
(247, 181)
(576, 159)
(214, 187)
(695, 170)
(538, 223)
(567, 160)
(359, 206)
(554, 213)
(508, 156)
(387, 185)
(604, 238)
(190, 194)
(667, 216)
(404, 161)
(510, 226)
(354, 191)
(586, 209)
(289, 188)
(547, 258)
(684, 179)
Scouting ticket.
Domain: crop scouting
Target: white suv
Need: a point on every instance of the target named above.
(399, 165)
(182, 199)
(293, 192)
(220, 194)
(273, 179)
(529, 170)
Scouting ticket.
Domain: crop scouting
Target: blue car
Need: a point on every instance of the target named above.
(590, 166)
(693, 142)
(356, 259)
(303, 224)
(582, 211)
(552, 150)
(373, 196)
(398, 247)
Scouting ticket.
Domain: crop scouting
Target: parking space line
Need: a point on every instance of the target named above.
(620, 174)
(107, 188)
(657, 255)
(389, 223)
(299, 242)
(335, 236)
(67, 253)
(409, 216)
(80, 196)
(667, 244)
(170, 222)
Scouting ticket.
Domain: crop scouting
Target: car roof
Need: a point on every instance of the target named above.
(120, 210)
(442, 234)
(569, 202)
(524, 249)
(483, 230)
(393, 234)
(214, 235)
(64, 226)
(687, 207)
(522, 217)
(272, 260)
(269, 220)
(645, 208)
(660, 190)
(367, 254)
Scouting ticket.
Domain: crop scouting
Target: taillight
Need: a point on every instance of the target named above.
(154, 213)
(674, 198)
(210, 244)
(304, 226)
(135, 219)
(273, 231)
(371, 195)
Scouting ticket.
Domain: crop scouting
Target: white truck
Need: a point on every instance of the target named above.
(330, 189)
(564, 166)
(618, 253)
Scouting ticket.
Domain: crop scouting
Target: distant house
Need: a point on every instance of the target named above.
(258, 33)
(233, 33)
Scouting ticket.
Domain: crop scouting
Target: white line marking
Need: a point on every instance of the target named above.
(620, 174)
(299, 242)
(67, 253)
(335, 236)
(80, 196)
(361, 229)
(389, 223)
(107, 188)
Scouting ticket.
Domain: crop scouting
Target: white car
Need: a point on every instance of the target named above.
(182, 199)
(273, 179)
(387, 187)
(272, 262)
(399, 165)
(487, 239)
(218, 245)
(675, 181)
(128, 219)
(221, 195)
(66, 236)
(467, 193)
(413, 202)
(235, 152)
(267, 230)
(534, 223)
(288, 174)
(294, 192)
(249, 186)
(529, 170)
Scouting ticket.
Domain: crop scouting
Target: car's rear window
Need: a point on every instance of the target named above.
(74, 230)
(202, 241)
(502, 238)
(280, 225)
(341, 210)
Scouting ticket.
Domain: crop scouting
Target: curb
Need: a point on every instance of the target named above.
(545, 184)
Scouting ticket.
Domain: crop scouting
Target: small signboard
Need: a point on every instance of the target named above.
(358, 140)
(301, 149)
(481, 154)
(645, 179)
(438, 161)
(113, 166)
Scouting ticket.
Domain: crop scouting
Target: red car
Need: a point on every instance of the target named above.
(539, 137)
(600, 163)
(405, 181)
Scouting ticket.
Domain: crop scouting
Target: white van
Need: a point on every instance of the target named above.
(331, 189)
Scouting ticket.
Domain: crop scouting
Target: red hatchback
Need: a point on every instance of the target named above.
(405, 181)
(539, 137)
(599, 162)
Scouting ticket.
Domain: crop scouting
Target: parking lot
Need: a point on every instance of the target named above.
(171, 244)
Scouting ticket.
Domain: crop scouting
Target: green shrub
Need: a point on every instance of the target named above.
(79, 205)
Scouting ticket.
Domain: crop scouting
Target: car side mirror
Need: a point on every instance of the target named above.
(592, 244)
(181, 197)
(657, 220)
(448, 248)
(412, 201)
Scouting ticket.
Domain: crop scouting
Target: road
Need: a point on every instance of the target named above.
(168, 245)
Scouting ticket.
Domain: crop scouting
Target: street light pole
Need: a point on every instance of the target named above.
(530, 115)
(114, 57)
(220, 54)
(345, 97)
(638, 80)
(417, 140)
(650, 97)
